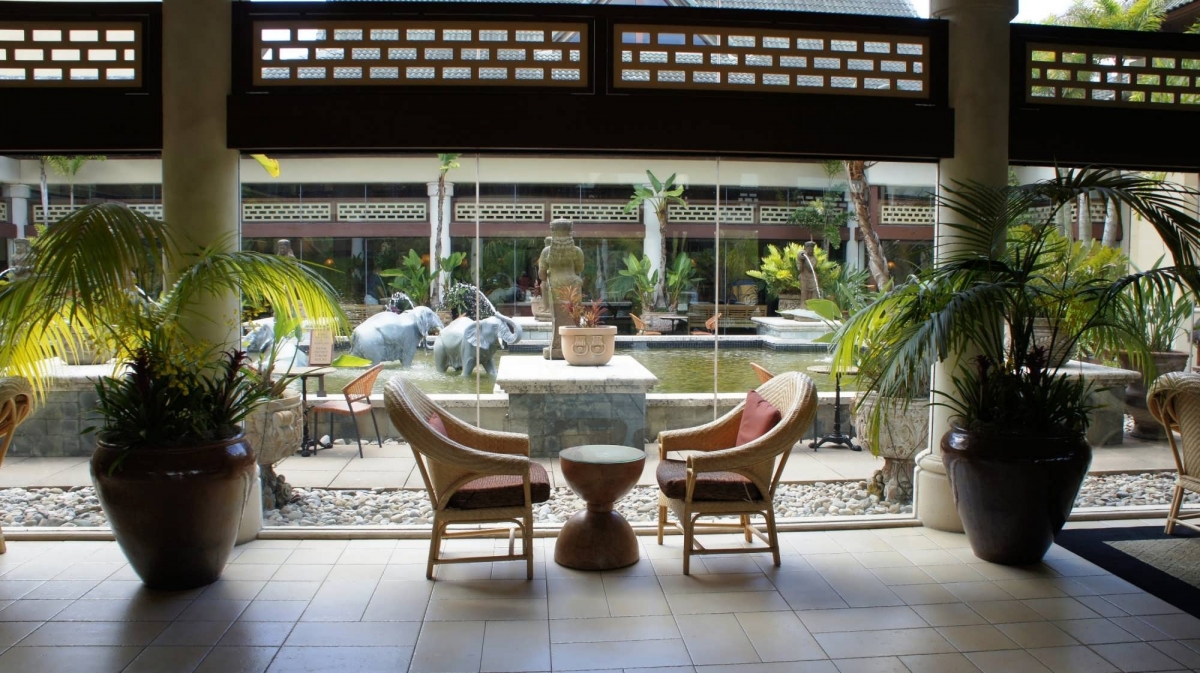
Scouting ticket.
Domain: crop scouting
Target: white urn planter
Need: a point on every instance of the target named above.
(903, 434)
(275, 431)
(588, 346)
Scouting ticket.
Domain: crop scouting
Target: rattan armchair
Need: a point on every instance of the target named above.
(357, 403)
(16, 403)
(1174, 399)
(472, 475)
(721, 479)
(640, 325)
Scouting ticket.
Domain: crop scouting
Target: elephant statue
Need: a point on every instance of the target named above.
(456, 344)
(387, 336)
(259, 342)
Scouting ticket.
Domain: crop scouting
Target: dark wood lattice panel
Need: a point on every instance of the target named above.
(1112, 76)
(420, 53)
(70, 54)
(752, 59)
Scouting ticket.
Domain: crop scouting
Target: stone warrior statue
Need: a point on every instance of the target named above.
(559, 266)
(806, 271)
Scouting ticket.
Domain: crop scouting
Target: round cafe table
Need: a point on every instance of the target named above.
(599, 538)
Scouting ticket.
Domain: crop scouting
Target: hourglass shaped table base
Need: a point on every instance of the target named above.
(599, 538)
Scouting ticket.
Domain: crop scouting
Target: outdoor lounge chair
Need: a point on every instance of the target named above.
(357, 403)
(641, 327)
(472, 475)
(1174, 399)
(710, 326)
(16, 403)
(725, 479)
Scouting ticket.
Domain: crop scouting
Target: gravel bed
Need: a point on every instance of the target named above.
(78, 507)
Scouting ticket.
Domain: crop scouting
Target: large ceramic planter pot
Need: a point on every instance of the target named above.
(903, 434)
(1146, 426)
(588, 346)
(175, 512)
(1013, 494)
(275, 431)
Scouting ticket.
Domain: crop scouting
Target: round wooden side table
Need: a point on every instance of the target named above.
(599, 538)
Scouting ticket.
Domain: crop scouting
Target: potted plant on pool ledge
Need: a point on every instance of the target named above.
(172, 469)
(589, 343)
(1016, 454)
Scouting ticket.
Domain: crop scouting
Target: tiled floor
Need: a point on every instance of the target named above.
(392, 466)
(894, 600)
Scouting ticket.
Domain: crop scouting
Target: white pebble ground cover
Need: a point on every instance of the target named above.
(79, 508)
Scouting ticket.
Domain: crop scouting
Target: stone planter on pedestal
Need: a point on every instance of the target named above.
(1146, 426)
(903, 434)
(790, 300)
(588, 346)
(275, 431)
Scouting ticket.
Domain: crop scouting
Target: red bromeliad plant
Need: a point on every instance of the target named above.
(583, 314)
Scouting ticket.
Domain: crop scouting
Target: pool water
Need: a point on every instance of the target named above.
(679, 370)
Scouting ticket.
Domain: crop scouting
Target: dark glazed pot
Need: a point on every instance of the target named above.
(1013, 494)
(175, 512)
(1146, 426)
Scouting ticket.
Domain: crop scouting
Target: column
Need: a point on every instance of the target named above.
(446, 208)
(18, 206)
(201, 190)
(979, 63)
(652, 243)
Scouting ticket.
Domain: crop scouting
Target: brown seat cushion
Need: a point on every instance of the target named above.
(718, 486)
(503, 490)
(758, 418)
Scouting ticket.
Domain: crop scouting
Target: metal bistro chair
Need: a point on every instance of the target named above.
(710, 326)
(16, 403)
(357, 403)
(1174, 399)
(641, 327)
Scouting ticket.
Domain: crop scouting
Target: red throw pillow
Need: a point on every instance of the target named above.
(758, 418)
(436, 423)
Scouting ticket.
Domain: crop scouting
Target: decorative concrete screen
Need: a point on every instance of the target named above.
(758, 59)
(383, 211)
(1112, 76)
(693, 213)
(70, 54)
(3, 212)
(500, 212)
(1096, 209)
(287, 212)
(57, 212)
(892, 214)
(594, 212)
(422, 53)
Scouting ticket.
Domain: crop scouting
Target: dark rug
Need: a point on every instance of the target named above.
(1167, 566)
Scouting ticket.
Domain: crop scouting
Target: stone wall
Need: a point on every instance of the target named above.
(53, 430)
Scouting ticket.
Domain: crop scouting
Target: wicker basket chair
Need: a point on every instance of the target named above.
(16, 403)
(1174, 399)
(472, 476)
(723, 479)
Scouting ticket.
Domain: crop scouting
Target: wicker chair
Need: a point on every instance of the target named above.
(16, 403)
(357, 403)
(710, 326)
(472, 475)
(641, 327)
(763, 373)
(724, 479)
(1174, 399)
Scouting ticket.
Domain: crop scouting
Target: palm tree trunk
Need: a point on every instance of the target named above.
(1112, 223)
(660, 290)
(1083, 218)
(435, 294)
(856, 175)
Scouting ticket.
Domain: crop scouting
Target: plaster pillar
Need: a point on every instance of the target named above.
(652, 243)
(447, 209)
(978, 79)
(18, 206)
(201, 189)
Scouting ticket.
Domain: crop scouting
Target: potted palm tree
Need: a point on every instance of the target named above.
(172, 467)
(1016, 454)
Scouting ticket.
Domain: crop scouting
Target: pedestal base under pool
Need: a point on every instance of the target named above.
(558, 405)
(599, 538)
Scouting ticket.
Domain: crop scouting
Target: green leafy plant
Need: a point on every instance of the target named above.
(1153, 308)
(412, 278)
(456, 270)
(463, 298)
(637, 280)
(681, 277)
(827, 215)
(83, 281)
(660, 195)
(986, 298)
(446, 163)
(778, 269)
(583, 314)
